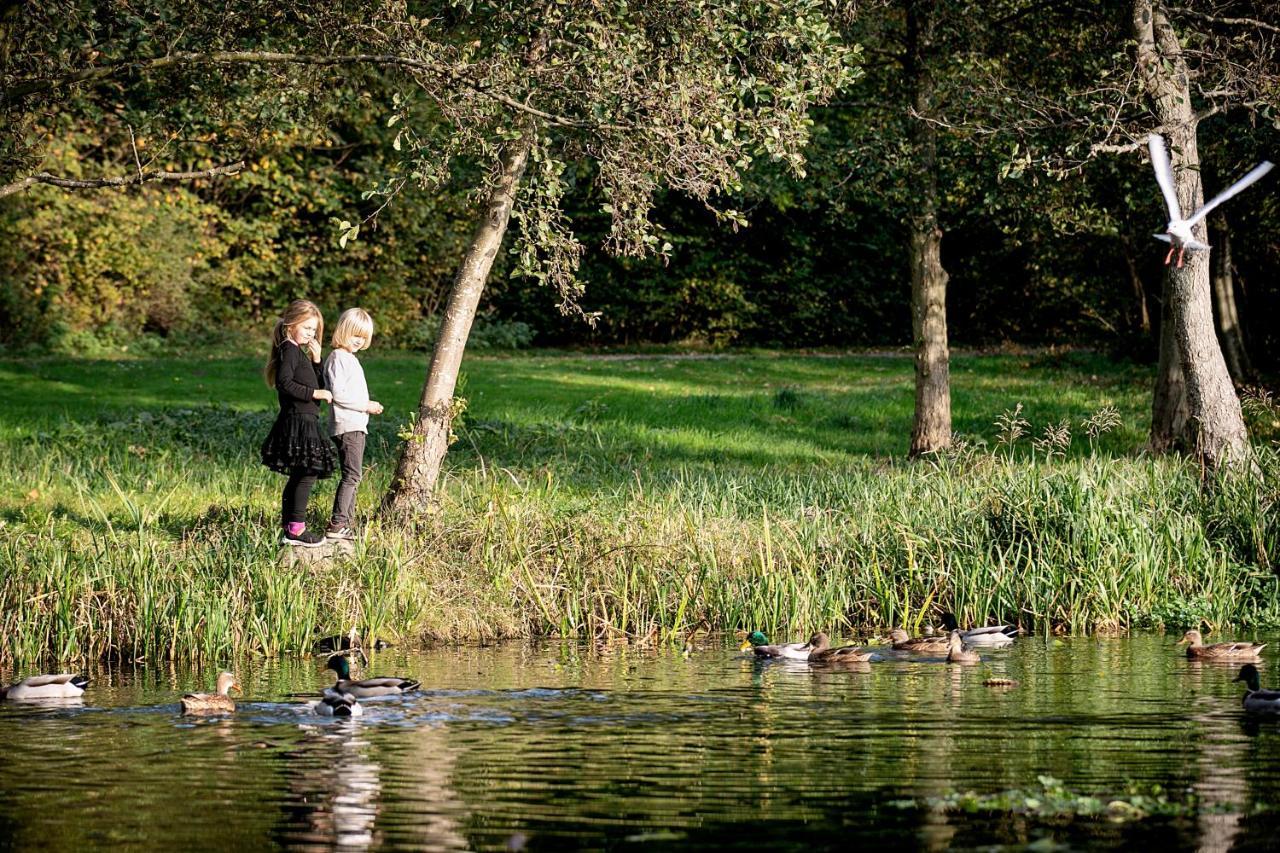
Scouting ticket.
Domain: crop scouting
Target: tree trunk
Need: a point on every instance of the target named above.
(1169, 413)
(931, 430)
(1230, 335)
(422, 452)
(1215, 426)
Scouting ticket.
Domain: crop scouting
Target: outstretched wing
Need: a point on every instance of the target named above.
(1236, 188)
(1164, 174)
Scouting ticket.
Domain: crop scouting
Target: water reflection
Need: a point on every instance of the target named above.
(559, 745)
(335, 786)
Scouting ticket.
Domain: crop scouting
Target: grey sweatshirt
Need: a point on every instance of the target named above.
(344, 376)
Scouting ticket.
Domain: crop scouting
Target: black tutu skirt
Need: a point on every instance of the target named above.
(295, 445)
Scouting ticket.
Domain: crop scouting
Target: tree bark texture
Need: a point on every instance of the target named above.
(421, 454)
(1214, 426)
(931, 430)
(1230, 335)
(1169, 413)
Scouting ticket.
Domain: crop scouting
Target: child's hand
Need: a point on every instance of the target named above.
(374, 407)
(314, 349)
(323, 395)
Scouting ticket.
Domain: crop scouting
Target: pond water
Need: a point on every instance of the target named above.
(556, 746)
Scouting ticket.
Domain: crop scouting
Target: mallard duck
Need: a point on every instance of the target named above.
(991, 636)
(212, 703)
(61, 686)
(369, 687)
(759, 643)
(903, 642)
(1255, 698)
(335, 703)
(1197, 650)
(820, 651)
(957, 652)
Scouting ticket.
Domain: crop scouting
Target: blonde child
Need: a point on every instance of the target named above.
(295, 446)
(349, 414)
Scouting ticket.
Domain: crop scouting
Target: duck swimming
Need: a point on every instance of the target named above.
(1256, 699)
(906, 643)
(991, 636)
(369, 687)
(212, 703)
(759, 643)
(958, 653)
(820, 651)
(61, 686)
(1197, 650)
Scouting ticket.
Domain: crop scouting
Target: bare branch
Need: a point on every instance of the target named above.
(28, 87)
(1141, 142)
(133, 142)
(123, 181)
(1231, 22)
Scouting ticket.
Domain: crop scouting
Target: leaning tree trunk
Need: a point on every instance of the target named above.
(1215, 426)
(931, 430)
(1230, 335)
(424, 450)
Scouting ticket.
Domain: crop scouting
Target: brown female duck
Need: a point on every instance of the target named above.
(958, 653)
(1197, 650)
(903, 642)
(212, 703)
(820, 651)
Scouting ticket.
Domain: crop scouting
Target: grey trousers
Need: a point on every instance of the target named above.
(351, 461)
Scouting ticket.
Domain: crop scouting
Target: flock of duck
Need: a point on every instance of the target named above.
(340, 700)
(959, 645)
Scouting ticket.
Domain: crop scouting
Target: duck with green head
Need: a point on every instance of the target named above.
(758, 642)
(368, 688)
(1256, 699)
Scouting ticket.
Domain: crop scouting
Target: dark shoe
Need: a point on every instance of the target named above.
(340, 531)
(306, 539)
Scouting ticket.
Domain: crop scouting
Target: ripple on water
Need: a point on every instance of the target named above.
(554, 746)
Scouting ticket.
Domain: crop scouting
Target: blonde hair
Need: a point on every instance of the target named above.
(354, 322)
(299, 311)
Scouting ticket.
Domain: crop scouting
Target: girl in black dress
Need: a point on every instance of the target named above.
(295, 445)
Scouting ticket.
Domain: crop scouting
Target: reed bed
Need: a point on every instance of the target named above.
(152, 535)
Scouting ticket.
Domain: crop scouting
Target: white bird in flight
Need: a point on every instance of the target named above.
(1178, 231)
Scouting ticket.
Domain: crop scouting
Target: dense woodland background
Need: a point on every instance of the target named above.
(1044, 243)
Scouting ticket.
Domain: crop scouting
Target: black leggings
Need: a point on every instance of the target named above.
(293, 503)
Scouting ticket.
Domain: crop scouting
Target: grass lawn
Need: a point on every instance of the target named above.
(748, 410)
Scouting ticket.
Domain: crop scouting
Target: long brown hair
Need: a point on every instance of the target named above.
(299, 311)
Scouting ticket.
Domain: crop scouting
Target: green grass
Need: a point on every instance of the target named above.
(606, 496)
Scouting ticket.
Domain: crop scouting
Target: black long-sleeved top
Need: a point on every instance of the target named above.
(297, 378)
